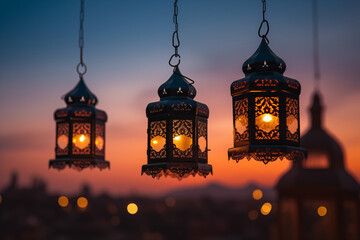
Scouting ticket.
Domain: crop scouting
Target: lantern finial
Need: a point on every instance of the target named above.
(80, 94)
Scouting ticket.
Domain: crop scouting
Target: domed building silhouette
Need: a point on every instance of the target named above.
(317, 198)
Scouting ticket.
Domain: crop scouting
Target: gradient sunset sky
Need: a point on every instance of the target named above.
(127, 46)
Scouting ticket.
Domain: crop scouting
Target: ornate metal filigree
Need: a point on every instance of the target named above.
(292, 118)
(61, 113)
(241, 121)
(267, 105)
(82, 113)
(202, 134)
(182, 106)
(175, 172)
(182, 127)
(62, 129)
(239, 85)
(266, 82)
(99, 132)
(157, 108)
(79, 129)
(293, 84)
(157, 128)
(79, 165)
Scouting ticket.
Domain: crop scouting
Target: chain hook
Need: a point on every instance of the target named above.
(81, 42)
(175, 37)
(264, 22)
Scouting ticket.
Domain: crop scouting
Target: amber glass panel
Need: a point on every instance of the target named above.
(267, 118)
(99, 139)
(241, 132)
(62, 139)
(158, 139)
(81, 138)
(182, 138)
(202, 136)
(292, 119)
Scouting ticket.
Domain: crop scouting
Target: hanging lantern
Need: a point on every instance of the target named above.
(177, 132)
(80, 127)
(177, 126)
(266, 109)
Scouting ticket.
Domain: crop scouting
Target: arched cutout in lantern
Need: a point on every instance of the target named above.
(177, 132)
(266, 110)
(80, 131)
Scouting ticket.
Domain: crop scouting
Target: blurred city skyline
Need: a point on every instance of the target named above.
(127, 46)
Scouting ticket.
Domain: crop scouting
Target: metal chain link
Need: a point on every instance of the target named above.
(264, 21)
(175, 37)
(81, 41)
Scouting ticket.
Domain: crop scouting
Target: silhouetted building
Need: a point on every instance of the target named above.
(318, 198)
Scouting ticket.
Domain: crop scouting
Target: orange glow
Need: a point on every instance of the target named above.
(257, 194)
(132, 208)
(182, 142)
(99, 142)
(0, 198)
(81, 141)
(267, 118)
(322, 211)
(82, 202)
(63, 201)
(266, 208)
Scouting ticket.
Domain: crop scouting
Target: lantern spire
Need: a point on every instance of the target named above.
(264, 60)
(80, 94)
(176, 86)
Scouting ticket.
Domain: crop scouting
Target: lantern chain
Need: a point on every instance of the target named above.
(175, 37)
(81, 42)
(264, 22)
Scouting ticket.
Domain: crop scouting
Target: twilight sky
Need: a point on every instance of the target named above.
(127, 46)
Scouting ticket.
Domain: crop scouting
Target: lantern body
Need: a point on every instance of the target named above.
(177, 132)
(80, 131)
(266, 110)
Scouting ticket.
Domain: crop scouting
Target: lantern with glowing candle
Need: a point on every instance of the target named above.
(80, 131)
(177, 131)
(266, 110)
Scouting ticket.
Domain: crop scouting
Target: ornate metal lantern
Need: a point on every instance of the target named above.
(266, 110)
(80, 131)
(177, 131)
(80, 127)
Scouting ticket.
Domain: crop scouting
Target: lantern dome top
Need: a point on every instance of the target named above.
(317, 139)
(264, 60)
(81, 94)
(176, 86)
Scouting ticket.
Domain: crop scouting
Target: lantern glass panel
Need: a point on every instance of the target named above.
(62, 139)
(182, 138)
(99, 139)
(267, 118)
(81, 138)
(202, 139)
(157, 139)
(241, 122)
(292, 119)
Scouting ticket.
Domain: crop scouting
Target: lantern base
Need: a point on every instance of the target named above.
(176, 170)
(79, 163)
(267, 153)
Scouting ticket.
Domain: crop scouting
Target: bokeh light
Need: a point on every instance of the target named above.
(322, 211)
(82, 202)
(63, 201)
(266, 208)
(112, 208)
(257, 194)
(1, 199)
(132, 208)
